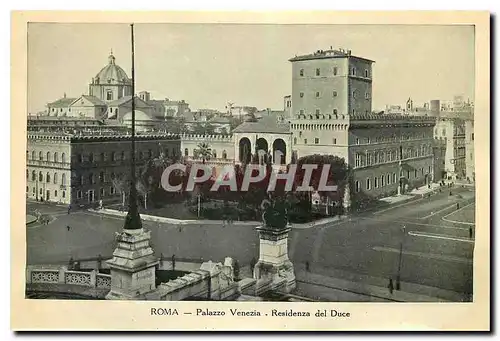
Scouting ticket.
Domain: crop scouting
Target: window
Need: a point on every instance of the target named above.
(63, 179)
(316, 140)
(91, 178)
(40, 156)
(376, 159)
(368, 184)
(55, 178)
(294, 140)
(317, 111)
(55, 193)
(33, 155)
(354, 94)
(335, 111)
(113, 156)
(369, 158)
(388, 179)
(353, 71)
(317, 94)
(305, 141)
(186, 152)
(444, 131)
(335, 94)
(33, 176)
(64, 194)
(63, 158)
(215, 154)
(48, 156)
(382, 178)
(366, 73)
(357, 141)
(422, 170)
(101, 177)
(357, 186)
(353, 111)
(357, 160)
(318, 72)
(368, 140)
(109, 95)
(367, 95)
(335, 71)
(104, 157)
(375, 180)
(334, 140)
(472, 137)
(301, 72)
(301, 111)
(40, 176)
(56, 157)
(111, 190)
(102, 192)
(415, 173)
(393, 178)
(224, 153)
(408, 174)
(78, 194)
(301, 94)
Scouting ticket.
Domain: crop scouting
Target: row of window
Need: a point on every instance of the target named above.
(314, 126)
(376, 157)
(335, 94)
(387, 179)
(48, 156)
(316, 140)
(393, 138)
(63, 194)
(47, 178)
(102, 192)
(335, 71)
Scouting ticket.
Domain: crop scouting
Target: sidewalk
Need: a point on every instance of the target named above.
(376, 286)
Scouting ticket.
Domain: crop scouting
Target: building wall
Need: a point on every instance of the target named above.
(101, 90)
(469, 150)
(306, 87)
(218, 144)
(359, 86)
(88, 111)
(270, 139)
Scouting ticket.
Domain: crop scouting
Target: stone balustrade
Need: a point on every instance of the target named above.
(40, 275)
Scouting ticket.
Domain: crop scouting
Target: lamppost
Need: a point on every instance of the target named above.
(398, 278)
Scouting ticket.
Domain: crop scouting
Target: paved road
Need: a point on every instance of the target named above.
(435, 252)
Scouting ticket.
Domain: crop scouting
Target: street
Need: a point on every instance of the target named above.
(435, 244)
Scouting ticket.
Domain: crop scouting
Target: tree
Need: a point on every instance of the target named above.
(236, 269)
(121, 187)
(204, 151)
(143, 188)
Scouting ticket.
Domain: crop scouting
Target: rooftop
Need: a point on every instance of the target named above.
(265, 124)
(325, 54)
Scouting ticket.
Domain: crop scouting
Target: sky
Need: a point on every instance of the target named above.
(209, 65)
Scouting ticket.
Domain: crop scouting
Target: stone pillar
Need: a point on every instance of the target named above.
(93, 280)
(62, 274)
(132, 266)
(273, 265)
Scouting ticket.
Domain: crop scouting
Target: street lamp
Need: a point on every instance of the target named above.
(398, 278)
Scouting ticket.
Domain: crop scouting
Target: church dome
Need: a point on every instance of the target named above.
(112, 73)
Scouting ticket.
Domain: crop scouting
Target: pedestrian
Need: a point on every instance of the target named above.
(404, 229)
(458, 205)
(68, 227)
(390, 286)
(470, 232)
(307, 266)
(69, 208)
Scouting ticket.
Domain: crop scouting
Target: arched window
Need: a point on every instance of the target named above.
(48, 156)
(63, 179)
(56, 157)
(55, 178)
(186, 152)
(40, 176)
(55, 193)
(33, 155)
(40, 156)
(116, 110)
(224, 154)
(47, 177)
(214, 153)
(63, 158)
(294, 140)
(33, 176)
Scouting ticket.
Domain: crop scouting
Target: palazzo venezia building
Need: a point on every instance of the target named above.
(331, 110)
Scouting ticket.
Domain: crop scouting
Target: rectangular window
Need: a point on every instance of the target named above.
(301, 72)
(388, 179)
(317, 94)
(393, 178)
(382, 178)
(111, 190)
(335, 71)
(335, 142)
(367, 95)
(368, 184)
(353, 111)
(335, 94)
(366, 73)
(415, 173)
(318, 72)
(301, 94)
(358, 160)
(472, 137)
(78, 194)
(301, 111)
(317, 111)
(368, 140)
(316, 140)
(305, 141)
(358, 187)
(357, 141)
(369, 159)
(353, 71)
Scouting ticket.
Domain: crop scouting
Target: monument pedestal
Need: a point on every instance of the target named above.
(274, 270)
(132, 266)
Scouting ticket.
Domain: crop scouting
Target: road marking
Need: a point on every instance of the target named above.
(455, 221)
(441, 210)
(426, 255)
(403, 204)
(440, 236)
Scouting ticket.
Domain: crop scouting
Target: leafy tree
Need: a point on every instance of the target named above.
(204, 151)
